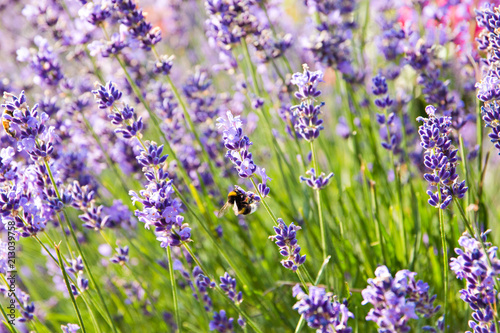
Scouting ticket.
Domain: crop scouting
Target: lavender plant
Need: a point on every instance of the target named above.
(199, 98)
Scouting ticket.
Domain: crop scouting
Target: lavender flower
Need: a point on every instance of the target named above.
(383, 102)
(44, 62)
(397, 300)
(70, 328)
(221, 323)
(473, 265)
(134, 19)
(202, 283)
(227, 23)
(330, 43)
(489, 41)
(491, 116)
(321, 311)
(95, 12)
(107, 96)
(316, 182)
(160, 209)
(307, 124)
(286, 240)
(121, 256)
(441, 158)
(228, 285)
(28, 127)
(237, 146)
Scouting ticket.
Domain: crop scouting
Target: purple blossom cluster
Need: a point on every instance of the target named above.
(286, 239)
(28, 126)
(397, 299)
(132, 17)
(385, 119)
(43, 61)
(160, 208)
(29, 201)
(121, 256)
(76, 270)
(306, 116)
(321, 311)
(199, 284)
(70, 328)
(316, 182)
(488, 89)
(441, 158)
(330, 43)
(237, 145)
(480, 268)
(307, 122)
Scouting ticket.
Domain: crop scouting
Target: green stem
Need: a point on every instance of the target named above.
(7, 321)
(318, 198)
(302, 281)
(174, 289)
(80, 252)
(66, 280)
(445, 267)
(253, 71)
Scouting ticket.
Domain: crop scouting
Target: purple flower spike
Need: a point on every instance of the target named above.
(107, 96)
(221, 323)
(473, 266)
(237, 145)
(397, 300)
(316, 182)
(321, 311)
(307, 122)
(441, 159)
(121, 256)
(286, 240)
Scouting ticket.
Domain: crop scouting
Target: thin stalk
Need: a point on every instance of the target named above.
(378, 224)
(253, 71)
(300, 324)
(174, 289)
(11, 328)
(68, 286)
(302, 281)
(94, 322)
(445, 267)
(80, 252)
(318, 198)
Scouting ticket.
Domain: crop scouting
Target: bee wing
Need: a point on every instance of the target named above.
(236, 210)
(223, 210)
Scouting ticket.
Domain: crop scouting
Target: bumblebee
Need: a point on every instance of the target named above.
(6, 123)
(243, 202)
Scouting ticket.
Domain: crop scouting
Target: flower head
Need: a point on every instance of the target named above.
(441, 158)
(286, 240)
(397, 300)
(321, 310)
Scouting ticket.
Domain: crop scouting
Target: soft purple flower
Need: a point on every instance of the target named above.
(121, 256)
(441, 158)
(397, 300)
(286, 240)
(237, 145)
(221, 323)
(70, 328)
(307, 122)
(321, 310)
(314, 181)
(473, 266)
